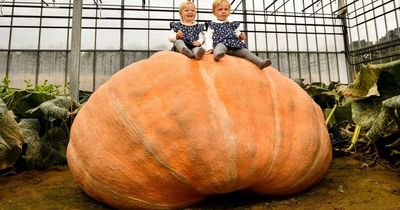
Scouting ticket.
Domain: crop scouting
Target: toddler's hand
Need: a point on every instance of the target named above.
(209, 52)
(196, 43)
(242, 36)
(179, 35)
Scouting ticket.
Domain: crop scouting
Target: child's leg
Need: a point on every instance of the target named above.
(219, 51)
(248, 55)
(181, 47)
(198, 52)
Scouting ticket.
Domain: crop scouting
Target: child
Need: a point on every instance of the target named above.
(225, 37)
(187, 35)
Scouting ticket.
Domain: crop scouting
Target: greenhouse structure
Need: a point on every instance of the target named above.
(315, 40)
(98, 112)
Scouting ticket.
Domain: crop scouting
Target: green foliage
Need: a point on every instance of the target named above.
(370, 108)
(45, 88)
(328, 97)
(371, 104)
(19, 101)
(10, 138)
(365, 111)
(325, 96)
(53, 110)
(5, 87)
(57, 108)
(368, 77)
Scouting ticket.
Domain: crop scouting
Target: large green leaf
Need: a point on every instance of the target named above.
(325, 96)
(53, 148)
(10, 138)
(365, 111)
(381, 123)
(58, 108)
(20, 101)
(45, 151)
(393, 102)
(30, 129)
(367, 78)
(389, 83)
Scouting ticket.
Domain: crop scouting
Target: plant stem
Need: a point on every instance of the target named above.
(355, 137)
(330, 115)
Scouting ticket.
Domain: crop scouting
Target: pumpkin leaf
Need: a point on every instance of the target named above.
(19, 101)
(300, 82)
(365, 111)
(393, 102)
(51, 149)
(322, 95)
(316, 89)
(10, 138)
(46, 151)
(58, 108)
(380, 125)
(30, 129)
(389, 82)
(385, 116)
(366, 78)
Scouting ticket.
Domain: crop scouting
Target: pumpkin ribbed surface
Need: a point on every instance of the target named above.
(168, 131)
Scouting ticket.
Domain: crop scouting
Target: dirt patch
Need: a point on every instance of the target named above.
(348, 185)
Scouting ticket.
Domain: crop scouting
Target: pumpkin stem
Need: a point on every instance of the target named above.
(355, 137)
(330, 115)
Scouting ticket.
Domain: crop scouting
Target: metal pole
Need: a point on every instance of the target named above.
(67, 53)
(245, 20)
(38, 45)
(10, 35)
(74, 67)
(297, 42)
(121, 39)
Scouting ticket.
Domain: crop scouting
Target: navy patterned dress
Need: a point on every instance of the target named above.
(190, 33)
(225, 33)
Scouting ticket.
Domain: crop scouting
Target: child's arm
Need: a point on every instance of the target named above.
(200, 41)
(172, 36)
(201, 37)
(209, 40)
(240, 35)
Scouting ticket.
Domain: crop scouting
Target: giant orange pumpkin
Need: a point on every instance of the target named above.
(168, 131)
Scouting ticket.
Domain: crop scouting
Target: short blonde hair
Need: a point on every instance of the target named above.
(217, 2)
(184, 3)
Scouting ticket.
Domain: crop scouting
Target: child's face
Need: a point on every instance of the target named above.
(188, 13)
(222, 11)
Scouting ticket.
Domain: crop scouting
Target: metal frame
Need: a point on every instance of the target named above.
(306, 24)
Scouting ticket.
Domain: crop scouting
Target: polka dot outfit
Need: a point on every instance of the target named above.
(225, 33)
(190, 33)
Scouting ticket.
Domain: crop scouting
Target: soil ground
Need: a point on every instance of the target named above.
(348, 186)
